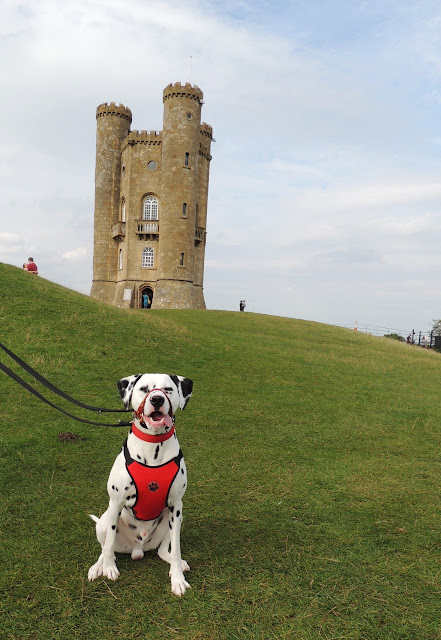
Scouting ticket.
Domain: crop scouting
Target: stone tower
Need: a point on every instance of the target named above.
(151, 191)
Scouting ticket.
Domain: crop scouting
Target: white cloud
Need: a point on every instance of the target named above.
(8, 237)
(75, 254)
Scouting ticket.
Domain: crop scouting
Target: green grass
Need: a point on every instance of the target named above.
(313, 453)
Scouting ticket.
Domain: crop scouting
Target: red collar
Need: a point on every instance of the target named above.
(161, 437)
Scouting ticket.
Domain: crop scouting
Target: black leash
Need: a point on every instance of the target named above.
(52, 387)
(55, 389)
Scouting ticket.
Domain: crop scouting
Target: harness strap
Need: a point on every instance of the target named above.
(38, 395)
(52, 387)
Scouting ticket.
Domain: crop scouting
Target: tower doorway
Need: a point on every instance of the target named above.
(146, 298)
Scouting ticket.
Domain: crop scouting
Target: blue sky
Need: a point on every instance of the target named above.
(325, 181)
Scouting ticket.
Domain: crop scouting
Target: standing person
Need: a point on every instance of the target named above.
(31, 266)
(145, 301)
(242, 305)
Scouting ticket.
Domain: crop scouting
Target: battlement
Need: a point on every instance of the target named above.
(207, 130)
(112, 109)
(142, 137)
(186, 90)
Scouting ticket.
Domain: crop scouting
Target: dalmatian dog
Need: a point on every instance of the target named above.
(147, 481)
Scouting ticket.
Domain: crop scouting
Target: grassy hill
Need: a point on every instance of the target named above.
(313, 454)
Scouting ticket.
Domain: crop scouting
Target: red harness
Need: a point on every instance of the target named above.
(152, 484)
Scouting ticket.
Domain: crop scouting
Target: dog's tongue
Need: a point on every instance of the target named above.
(158, 420)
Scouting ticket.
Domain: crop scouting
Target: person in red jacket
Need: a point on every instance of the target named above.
(31, 266)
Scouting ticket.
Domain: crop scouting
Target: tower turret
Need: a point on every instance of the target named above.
(113, 125)
(180, 187)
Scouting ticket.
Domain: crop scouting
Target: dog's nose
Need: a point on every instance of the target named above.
(157, 401)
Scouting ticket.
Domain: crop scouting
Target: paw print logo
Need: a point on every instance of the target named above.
(153, 486)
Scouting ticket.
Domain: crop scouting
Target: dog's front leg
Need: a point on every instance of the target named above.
(108, 523)
(178, 581)
(110, 569)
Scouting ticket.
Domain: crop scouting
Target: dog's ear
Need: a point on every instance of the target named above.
(185, 388)
(125, 388)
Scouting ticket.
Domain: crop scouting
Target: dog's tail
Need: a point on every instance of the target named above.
(94, 518)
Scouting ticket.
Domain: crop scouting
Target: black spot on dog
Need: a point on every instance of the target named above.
(138, 538)
(113, 527)
(171, 508)
(157, 452)
(169, 547)
(132, 526)
(178, 513)
(182, 471)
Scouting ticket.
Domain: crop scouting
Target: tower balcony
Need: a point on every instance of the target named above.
(147, 230)
(199, 236)
(119, 231)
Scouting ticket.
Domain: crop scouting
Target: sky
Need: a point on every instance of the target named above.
(325, 182)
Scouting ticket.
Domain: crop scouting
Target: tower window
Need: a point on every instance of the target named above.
(150, 208)
(148, 257)
(152, 165)
(181, 260)
(187, 159)
(184, 209)
(123, 210)
(120, 259)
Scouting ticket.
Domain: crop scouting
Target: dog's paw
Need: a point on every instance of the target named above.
(185, 566)
(95, 571)
(179, 585)
(137, 554)
(111, 571)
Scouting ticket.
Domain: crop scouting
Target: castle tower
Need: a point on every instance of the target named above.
(151, 205)
(113, 125)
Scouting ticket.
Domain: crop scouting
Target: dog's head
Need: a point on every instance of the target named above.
(157, 395)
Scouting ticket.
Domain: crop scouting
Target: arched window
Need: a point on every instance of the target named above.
(184, 208)
(187, 159)
(148, 255)
(120, 259)
(150, 208)
(181, 260)
(123, 210)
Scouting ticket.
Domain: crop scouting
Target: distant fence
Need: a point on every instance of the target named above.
(419, 338)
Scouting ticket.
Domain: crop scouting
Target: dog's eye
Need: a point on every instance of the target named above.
(144, 389)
